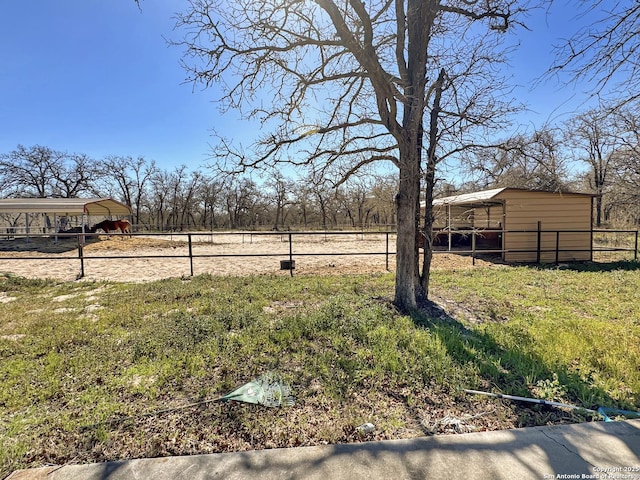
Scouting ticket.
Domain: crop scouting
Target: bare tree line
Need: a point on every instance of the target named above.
(179, 199)
(596, 151)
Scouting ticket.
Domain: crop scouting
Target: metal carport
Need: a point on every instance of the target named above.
(82, 207)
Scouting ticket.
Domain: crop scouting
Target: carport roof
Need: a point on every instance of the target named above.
(65, 206)
(467, 198)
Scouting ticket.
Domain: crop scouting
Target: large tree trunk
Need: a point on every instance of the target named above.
(420, 17)
(408, 290)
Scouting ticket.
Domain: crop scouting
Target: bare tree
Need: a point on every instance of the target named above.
(190, 201)
(607, 51)
(323, 196)
(75, 176)
(182, 189)
(537, 161)
(347, 83)
(546, 151)
(382, 199)
(29, 172)
(304, 207)
(278, 187)
(625, 184)
(243, 202)
(593, 136)
(128, 180)
(160, 197)
(212, 195)
(354, 196)
(42, 172)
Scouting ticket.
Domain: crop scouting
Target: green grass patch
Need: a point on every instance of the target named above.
(581, 324)
(76, 356)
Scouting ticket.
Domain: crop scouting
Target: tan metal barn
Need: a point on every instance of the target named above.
(524, 225)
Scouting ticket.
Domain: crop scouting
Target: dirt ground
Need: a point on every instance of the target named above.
(148, 258)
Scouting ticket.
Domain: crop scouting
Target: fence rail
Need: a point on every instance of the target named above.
(623, 242)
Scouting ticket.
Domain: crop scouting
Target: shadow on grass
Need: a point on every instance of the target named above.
(510, 370)
(586, 266)
(626, 265)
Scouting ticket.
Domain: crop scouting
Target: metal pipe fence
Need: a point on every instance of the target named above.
(620, 242)
(193, 239)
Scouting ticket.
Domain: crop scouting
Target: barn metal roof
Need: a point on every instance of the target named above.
(65, 206)
(486, 196)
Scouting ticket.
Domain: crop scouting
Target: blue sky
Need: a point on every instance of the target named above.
(97, 77)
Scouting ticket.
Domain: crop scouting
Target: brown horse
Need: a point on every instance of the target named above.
(112, 225)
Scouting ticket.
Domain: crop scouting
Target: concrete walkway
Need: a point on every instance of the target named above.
(589, 450)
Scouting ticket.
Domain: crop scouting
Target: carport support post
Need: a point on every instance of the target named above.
(82, 239)
(26, 226)
(557, 247)
(449, 224)
(55, 227)
(473, 247)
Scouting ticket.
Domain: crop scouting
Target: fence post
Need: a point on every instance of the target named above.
(81, 257)
(290, 254)
(635, 253)
(557, 247)
(190, 254)
(386, 253)
(539, 241)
